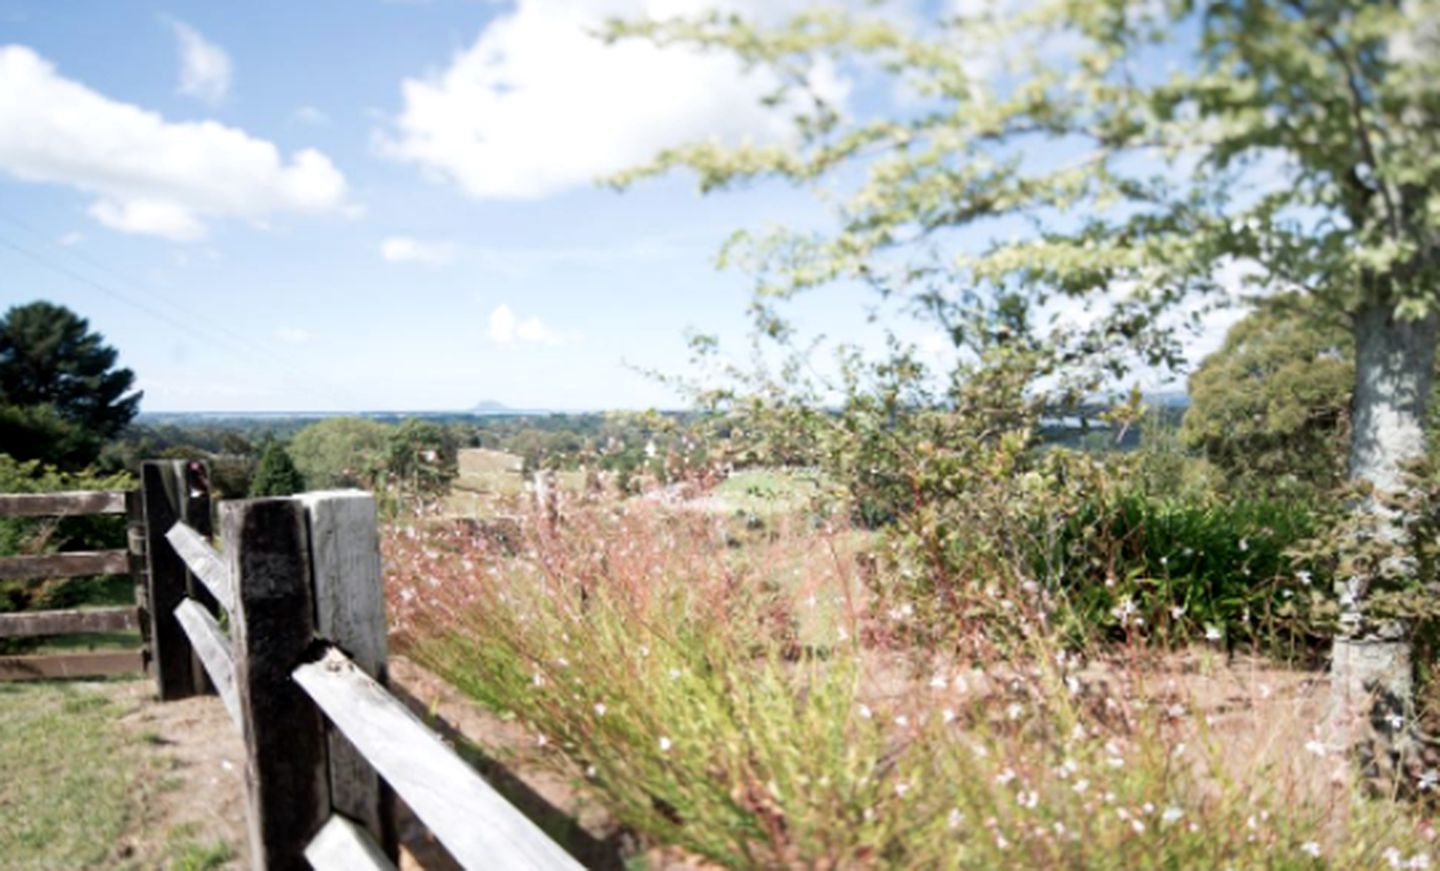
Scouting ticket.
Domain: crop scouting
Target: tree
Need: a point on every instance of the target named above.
(276, 474)
(341, 452)
(50, 358)
(1297, 139)
(1271, 407)
(422, 458)
(38, 432)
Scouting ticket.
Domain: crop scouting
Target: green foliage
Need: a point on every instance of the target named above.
(420, 459)
(276, 474)
(50, 358)
(39, 432)
(1271, 407)
(341, 452)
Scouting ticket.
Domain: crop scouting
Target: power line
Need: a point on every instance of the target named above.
(235, 345)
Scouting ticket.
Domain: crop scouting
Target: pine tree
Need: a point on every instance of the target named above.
(276, 474)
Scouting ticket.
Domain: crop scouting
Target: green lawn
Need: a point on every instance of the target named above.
(69, 777)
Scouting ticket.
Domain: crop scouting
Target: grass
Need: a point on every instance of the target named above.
(69, 778)
(663, 668)
(767, 492)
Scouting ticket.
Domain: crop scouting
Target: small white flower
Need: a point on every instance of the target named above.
(1428, 779)
(1081, 785)
(1303, 577)
(1004, 777)
(1311, 849)
(901, 788)
(902, 721)
(1014, 711)
(541, 740)
(1172, 814)
(599, 709)
(1315, 747)
(948, 715)
(865, 712)
(1395, 721)
(938, 682)
(1028, 799)
(665, 744)
(1212, 633)
(954, 819)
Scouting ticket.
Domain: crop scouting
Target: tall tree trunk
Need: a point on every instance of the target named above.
(1394, 368)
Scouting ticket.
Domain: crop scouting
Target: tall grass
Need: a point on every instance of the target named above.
(665, 670)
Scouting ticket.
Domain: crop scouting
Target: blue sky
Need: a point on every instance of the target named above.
(361, 204)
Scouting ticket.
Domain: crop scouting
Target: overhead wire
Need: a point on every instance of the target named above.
(194, 323)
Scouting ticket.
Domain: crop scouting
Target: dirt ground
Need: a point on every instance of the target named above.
(194, 771)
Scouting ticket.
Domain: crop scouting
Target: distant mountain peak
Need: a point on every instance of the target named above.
(489, 406)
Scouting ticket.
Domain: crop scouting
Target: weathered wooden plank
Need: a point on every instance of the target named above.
(350, 613)
(70, 665)
(342, 846)
(73, 502)
(34, 623)
(474, 822)
(287, 784)
(139, 573)
(204, 563)
(65, 565)
(169, 498)
(213, 649)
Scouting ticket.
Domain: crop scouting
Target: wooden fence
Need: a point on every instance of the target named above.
(169, 490)
(286, 624)
(302, 671)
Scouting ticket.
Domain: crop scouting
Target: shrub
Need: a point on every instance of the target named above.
(658, 666)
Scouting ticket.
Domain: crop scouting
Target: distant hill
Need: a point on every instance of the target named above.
(490, 406)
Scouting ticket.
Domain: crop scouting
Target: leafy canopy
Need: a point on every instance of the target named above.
(49, 357)
(1107, 158)
(1271, 406)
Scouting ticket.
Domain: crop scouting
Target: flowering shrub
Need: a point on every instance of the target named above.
(692, 686)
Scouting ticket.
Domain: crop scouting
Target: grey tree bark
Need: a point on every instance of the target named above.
(1394, 369)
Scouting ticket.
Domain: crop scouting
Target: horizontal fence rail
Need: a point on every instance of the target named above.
(65, 565)
(29, 624)
(68, 665)
(474, 822)
(74, 502)
(68, 564)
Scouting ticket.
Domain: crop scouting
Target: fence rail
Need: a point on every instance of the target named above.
(36, 624)
(62, 504)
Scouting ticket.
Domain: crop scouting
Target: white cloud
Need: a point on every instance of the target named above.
(538, 104)
(204, 66)
(403, 249)
(310, 116)
(292, 335)
(149, 175)
(506, 329)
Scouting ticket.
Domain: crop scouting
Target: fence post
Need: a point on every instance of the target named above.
(350, 614)
(266, 542)
(171, 491)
